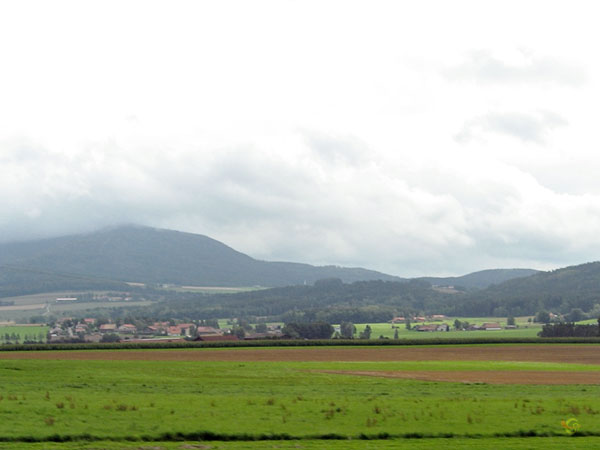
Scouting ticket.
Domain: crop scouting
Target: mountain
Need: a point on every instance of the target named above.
(481, 279)
(150, 255)
(558, 291)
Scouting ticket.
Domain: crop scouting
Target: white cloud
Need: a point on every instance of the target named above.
(522, 66)
(527, 127)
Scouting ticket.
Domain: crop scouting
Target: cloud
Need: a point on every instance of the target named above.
(533, 127)
(402, 217)
(344, 150)
(524, 67)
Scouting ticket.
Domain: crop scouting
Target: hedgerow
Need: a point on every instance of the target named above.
(300, 343)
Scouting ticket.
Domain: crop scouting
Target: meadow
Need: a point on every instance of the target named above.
(316, 404)
(387, 330)
(37, 333)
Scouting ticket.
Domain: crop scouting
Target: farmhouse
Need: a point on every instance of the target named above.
(432, 327)
(127, 328)
(399, 319)
(207, 331)
(108, 328)
(491, 326)
(80, 328)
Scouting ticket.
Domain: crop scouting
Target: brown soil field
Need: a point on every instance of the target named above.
(488, 377)
(567, 353)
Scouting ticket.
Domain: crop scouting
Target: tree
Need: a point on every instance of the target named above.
(261, 328)
(366, 334)
(408, 327)
(458, 325)
(239, 332)
(315, 330)
(575, 315)
(396, 333)
(542, 317)
(510, 320)
(347, 330)
(110, 337)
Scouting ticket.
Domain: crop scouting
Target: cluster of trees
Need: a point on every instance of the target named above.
(569, 329)
(315, 330)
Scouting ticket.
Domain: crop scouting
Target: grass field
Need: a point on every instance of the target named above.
(154, 400)
(552, 443)
(525, 329)
(33, 332)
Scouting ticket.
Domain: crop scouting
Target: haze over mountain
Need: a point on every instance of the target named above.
(481, 279)
(150, 255)
(558, 291)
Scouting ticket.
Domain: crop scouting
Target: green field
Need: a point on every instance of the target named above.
(552, 443)
(524, 329)
(34, 332)
(155, 400)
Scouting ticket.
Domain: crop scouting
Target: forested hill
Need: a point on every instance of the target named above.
(557, 291)
(149, 255)
(481, 279)
(329, 300)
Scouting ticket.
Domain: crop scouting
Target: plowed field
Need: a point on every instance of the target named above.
(578, 354)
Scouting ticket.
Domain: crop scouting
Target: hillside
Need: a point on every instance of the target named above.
(149, 255)
(557, 291)
(329, 300)
(481, 279)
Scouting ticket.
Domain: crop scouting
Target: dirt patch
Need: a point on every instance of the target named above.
(549, 353)
(483, 376)
(568, 353)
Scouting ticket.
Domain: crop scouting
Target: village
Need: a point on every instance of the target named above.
(92, 330)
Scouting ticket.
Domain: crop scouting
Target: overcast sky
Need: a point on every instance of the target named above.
(415, 138)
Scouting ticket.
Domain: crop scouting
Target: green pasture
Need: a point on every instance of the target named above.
(162, 401)
(23, 331)
(387, 330)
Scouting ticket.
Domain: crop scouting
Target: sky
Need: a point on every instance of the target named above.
(414, 138)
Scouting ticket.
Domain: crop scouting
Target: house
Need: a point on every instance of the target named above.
(108, 328)
(89, 321)
(80, 328)
(432, 327)
(490, 326)
(207, 331)
(399, 319)
(438, 317)
(127, 328)
(173, 331)
(56, 331)
(151, 329)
